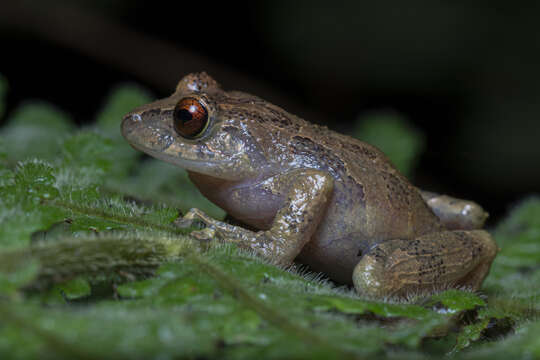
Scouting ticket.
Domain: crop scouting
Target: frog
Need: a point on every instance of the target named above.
(302, 193)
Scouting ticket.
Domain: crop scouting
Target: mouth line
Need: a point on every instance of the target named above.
(180, 161)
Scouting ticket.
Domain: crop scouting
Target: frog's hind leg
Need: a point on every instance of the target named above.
(455, 214)
(432, 262)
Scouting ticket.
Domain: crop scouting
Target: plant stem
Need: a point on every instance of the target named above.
(131, 220)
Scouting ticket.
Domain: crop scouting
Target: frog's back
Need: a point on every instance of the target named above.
(370, 194)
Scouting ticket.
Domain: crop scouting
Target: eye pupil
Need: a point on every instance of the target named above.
(184, 115)
(190, 118)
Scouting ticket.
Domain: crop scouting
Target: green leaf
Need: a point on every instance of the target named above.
(61, 293)
(261, 290)
(38, 194)
(122, 157)
(14, 275)
(453, 301)
(392, 134)
(87, 156)
(469, 334)
(121, 100)
(516, 266)
(356, 306)
(524, 343)
(107, 330)
(167, 184)
(35, 129)
(117, 258)
(76, 288)
(21, 209)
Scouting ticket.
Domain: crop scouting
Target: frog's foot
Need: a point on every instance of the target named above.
(455, 214)
(210, 228)
(432, 262)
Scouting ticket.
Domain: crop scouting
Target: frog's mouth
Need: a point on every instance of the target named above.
(214, 168)
(145, 137)
(160, 153)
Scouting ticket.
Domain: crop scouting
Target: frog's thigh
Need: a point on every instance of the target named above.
(455, 214)
(428, 263)
(293, 225)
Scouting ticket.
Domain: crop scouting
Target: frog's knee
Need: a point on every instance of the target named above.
(488, 247)
(368, 277)
(485, 248)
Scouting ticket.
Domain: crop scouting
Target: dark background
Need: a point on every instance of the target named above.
(467, 74)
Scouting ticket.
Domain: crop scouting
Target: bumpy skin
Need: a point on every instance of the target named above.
(322, 198)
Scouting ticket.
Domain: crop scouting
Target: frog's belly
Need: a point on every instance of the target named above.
(341, 238)
(335, 257)
(258, 212)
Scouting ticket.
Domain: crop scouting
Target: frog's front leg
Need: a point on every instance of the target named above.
(428, 263)
(306, 198)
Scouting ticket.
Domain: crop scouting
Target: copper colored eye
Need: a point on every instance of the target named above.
(190, 118)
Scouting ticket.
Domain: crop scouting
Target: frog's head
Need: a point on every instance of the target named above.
(197, 129)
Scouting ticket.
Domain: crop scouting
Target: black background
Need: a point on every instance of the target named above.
(467, 75)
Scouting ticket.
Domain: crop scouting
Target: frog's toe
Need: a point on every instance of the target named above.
(204, 235)
(194, 218)
(186, 223)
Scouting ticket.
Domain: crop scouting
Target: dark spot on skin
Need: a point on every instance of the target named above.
(151, 112)
(319, 157)
(360, 149)
(399, 193)
(378, 253)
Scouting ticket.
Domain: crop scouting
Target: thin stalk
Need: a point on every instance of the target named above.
(131, 220)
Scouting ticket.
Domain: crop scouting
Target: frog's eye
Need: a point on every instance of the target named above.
(190, 118)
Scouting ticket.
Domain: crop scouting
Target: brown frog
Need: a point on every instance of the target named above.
(311, 194)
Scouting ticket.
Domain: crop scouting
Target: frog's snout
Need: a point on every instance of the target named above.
(146, 133)
(130, 122)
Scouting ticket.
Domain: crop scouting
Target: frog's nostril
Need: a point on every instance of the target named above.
(129, 122)
(132, 118)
